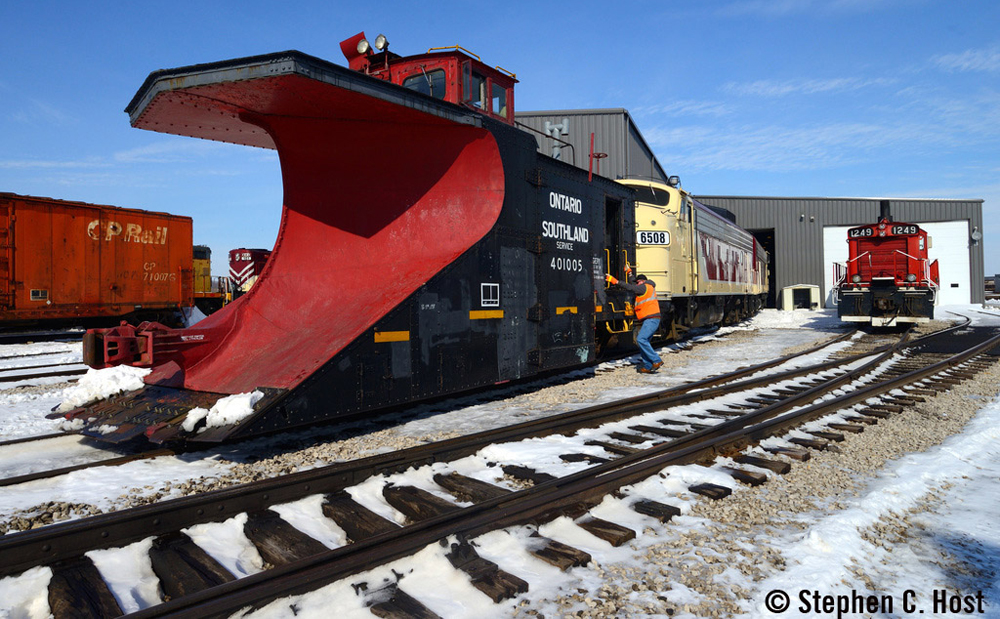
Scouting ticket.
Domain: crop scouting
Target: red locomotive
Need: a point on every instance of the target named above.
(245, 266)
(888, 278)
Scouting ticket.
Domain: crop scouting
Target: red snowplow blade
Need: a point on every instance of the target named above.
(381, 192)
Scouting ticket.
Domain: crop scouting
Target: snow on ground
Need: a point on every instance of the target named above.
(965, 472)
(964, 521)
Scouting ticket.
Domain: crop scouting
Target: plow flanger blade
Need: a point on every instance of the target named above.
(382, 190)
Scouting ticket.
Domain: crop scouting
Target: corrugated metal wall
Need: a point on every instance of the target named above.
(798, 228)
(615, 134)
(797, 222)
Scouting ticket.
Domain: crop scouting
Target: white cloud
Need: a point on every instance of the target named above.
(970, 60)
(780, 8)
(767, 7)
(784, 149)
(775, 88)
(169, 151)
(40, 112)
(29, 164)
(683, 108)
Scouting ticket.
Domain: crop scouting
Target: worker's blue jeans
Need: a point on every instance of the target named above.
(646, 330)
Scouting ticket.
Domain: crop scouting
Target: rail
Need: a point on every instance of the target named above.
(540, 502)
(573, 493)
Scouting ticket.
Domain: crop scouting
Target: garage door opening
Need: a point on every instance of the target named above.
(766, 238)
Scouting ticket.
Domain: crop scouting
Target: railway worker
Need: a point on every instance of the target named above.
(647, 311)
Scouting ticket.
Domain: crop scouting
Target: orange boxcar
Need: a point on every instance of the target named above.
(65, 261)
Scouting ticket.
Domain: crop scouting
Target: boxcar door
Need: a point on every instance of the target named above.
(6, 256)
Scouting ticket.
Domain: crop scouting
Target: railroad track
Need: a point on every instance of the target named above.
(16, 366)
(643, 447)
(31, 337)
(43, 370)
(100, 458)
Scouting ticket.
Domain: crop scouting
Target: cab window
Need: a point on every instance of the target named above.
(427, 82)
(476, 91)
(499, 101)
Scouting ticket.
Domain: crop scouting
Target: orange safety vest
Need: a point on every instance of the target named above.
(647, 305)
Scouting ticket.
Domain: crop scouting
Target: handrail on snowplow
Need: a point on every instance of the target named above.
(458, 47)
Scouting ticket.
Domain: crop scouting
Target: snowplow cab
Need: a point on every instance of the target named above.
(451, 74)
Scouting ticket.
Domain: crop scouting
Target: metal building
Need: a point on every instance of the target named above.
(619, 149)
(804, 236)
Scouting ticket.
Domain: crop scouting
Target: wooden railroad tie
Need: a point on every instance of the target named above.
(582, 457)
(661, 511)
(751, 478)
(183, 567)
(277, 541)
(672, 424)
(558, 554)
(415, 503)
(77, 589)
(469, 489)
(635, 439)
(830, 436)
(853, 428)
(620, 450)
(392, 602)
(724, 413)
(890, 408)
(772, 465)
(486, 575)
(790, 452)
(868, 421)
(810, 443)
(525, 473)
(712, 491)
(357, 521)
(614, 534)
(665, 432)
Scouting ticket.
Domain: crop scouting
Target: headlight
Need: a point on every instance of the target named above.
(856, 279)
(910, 277)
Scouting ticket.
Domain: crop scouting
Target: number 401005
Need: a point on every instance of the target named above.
(567, 264)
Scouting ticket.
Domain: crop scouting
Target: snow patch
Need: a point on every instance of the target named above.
(226, 411)
(192, 316)
(26, 595)
(100, 384)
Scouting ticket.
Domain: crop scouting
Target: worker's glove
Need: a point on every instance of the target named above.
(611, 279)
(628, 270)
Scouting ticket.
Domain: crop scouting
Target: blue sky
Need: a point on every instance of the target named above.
(874, 98)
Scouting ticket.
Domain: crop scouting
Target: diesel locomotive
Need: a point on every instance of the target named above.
(707, 270)
(888, 278)
(426, 247)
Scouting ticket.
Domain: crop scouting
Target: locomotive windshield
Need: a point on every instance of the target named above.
(428, 83)
(649, 195)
